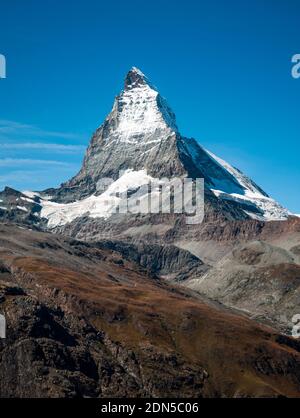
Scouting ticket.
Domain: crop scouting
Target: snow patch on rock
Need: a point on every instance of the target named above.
(101, 206)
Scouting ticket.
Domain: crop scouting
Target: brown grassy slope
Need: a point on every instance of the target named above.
(84, 322)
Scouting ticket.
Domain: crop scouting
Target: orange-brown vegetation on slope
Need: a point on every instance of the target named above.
(154, 339)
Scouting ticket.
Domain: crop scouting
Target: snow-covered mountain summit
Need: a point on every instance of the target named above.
(140, 139)
(140, 133)
(140, 111)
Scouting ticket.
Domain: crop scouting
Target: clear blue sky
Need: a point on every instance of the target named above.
(224, 67)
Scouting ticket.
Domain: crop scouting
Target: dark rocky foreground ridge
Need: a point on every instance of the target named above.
(82, 321)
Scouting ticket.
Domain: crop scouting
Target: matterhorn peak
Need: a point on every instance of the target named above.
(140, 113)
(140, 136)
(135, 77)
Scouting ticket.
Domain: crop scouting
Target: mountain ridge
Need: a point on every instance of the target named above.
(140, 138)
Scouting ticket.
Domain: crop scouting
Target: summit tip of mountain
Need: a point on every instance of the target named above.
(134, 78)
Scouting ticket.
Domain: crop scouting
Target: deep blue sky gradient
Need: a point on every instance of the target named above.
(224, 67)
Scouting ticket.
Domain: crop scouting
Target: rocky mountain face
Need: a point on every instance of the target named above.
(139, 133)
(139, 142)
(259, 278)
(167, 261)
(85, 322)
(18, 208)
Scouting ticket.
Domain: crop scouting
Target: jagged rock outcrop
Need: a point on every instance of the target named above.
(259, 278)
(166, 261)
(19, 208)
